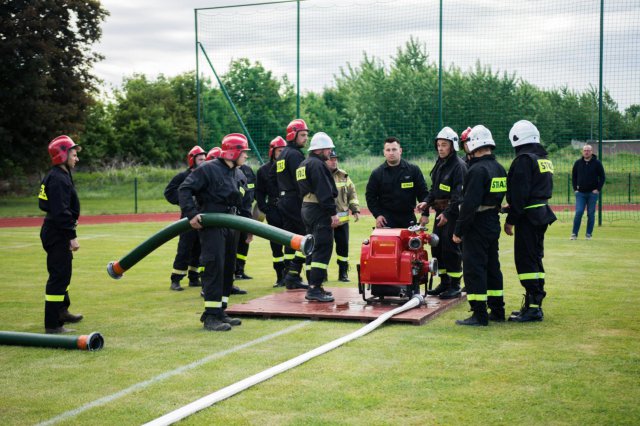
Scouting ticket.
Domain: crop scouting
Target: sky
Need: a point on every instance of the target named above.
(548, 43)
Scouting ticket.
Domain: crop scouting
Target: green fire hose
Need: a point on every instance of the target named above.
(302, 243)
(91, 342)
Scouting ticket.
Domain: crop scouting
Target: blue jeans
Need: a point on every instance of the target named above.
(588, 200)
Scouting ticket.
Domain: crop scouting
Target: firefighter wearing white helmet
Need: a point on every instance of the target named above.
(319, 211)
(445, 195)
(529, 188)
(479, 225)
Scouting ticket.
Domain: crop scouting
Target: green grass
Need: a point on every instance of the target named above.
(580, 366)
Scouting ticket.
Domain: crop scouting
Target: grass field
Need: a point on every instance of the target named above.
(580, 366)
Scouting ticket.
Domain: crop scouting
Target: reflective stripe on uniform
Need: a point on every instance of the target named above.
(180, 272)
(455, 274)
(478, 297)
(193, 268)
(530, 276)
(495, 293)
(211, 304)
(289, 256)
(241, 256)
(201, 269)
(54, 297)
(278, 259)
(343, 258)
(319, 265)
(533, 206)
(299, 254)
(225, 299)
(307, 267)
(442, 272)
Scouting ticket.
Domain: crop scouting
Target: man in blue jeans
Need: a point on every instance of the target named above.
(587, 178)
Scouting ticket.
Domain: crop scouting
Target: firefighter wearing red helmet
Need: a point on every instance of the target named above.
(290, 200)
(59, 199)
(213, 153)
(187, 257)
(445, 196)
(220, 187)
(478, 225)
(529, 188)
(267, 200)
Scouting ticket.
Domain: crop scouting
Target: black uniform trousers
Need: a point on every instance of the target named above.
(59, 259)
(219, 260)
(242, 252)
(290, 208)
(187, 257)
(528, 252)
(275, 219)
(318, 223)
(481, 264)
(341, 237)
(448, 253)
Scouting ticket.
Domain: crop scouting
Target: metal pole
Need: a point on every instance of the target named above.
(629, 188)
(233, 107)
(135, 195)
(440, 71)
(600, 104)
(195, 12)
(298, 63)
(568, 188)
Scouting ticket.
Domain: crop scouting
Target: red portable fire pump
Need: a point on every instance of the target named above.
(394, 263)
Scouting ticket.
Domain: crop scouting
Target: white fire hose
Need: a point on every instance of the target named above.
(238, 387)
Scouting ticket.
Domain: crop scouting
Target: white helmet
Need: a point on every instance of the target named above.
(321, 140)
(480, 137)
(447, 133)
(524, 132)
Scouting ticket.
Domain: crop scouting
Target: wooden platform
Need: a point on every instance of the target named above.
(348, 305)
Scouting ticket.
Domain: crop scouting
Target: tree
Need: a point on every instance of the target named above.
(45, 75)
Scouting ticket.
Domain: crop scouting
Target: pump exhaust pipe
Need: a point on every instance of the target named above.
(91, 342)
(303, 243)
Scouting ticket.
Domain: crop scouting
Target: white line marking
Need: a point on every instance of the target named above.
(141, 385)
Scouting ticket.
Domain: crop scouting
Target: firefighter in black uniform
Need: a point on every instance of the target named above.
(243, 242)
(479, 225)
(290, 200)
(347, 200)
(447, 177)
(220, 187)
(188, 255)
(319, 211)
(267, 200)
(394, 188)
(59, 199)
(529, 188)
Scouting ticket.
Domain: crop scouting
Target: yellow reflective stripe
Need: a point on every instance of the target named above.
(212, 304)
(43, 195)
(343, 258)
(545, 166)
(529, 276)
(193, 268)
(495, 293)
(307, 267)
(54, 297)
(180, 272)
(299, 254)
(442, 272)
(201, 269)
(534, 306)
(405, 185)
(455, 274)
(533, 206)
(242, 191)
(225, 299)
(241, 256)
(445, 188)
(343, 218)
(301, 173)
(289, 256)
(251, 185)
(478, 297)
(278, 259)
(280, 166)
(541, 275)
(319, 265)
(498, 184)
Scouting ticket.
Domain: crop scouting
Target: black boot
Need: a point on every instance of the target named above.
(279, 268)
(343, 271)
(66, 316)
(318, 294)
(479, 318)
(293, 280)
(175, 286)
(212, 321)
(228, 320)
(239, 274)
(441, 288)
(453, 291)
(531, 309)
(496, 315)
(194, 279)
(237, 290)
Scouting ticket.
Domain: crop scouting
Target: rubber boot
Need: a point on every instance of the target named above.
(479, 318)
(279, 268)
(442, 287)
(453, 291)
(343, 271)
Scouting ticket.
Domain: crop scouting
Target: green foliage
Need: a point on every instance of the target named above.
(45, 76)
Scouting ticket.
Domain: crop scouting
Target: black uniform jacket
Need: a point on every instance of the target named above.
(587, 175)
(286, 166)
(485, 185)
(251, 181)
(447, 178)
(267, 187)
(314, 177)
(530, 185)
(171, 191)
(58, 197)
(217, 188)
(395, 189)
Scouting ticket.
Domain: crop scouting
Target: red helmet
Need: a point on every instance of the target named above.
(214, 153)
(59, 149)
(277, 142)
(465, 135)
(294, 127)
(232, 145)
(191, 157)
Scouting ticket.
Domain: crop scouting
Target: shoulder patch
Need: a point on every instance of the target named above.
(546, 166)
(498, 184)
(43, 195)
(301, 173)
(280, 166)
